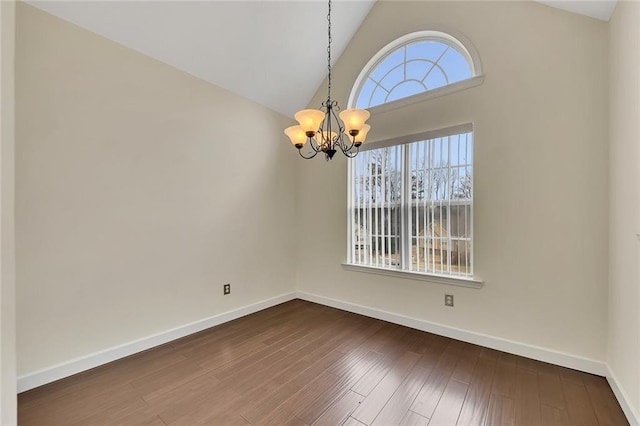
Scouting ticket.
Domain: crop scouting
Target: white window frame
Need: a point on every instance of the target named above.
(446, 36)
(464, 281)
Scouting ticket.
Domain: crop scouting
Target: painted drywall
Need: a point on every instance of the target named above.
(541, 216)
(8, 401)
(140, 191)
(623, 354)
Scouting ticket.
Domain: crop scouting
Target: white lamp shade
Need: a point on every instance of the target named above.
(354, 119)
(309, 119)
(361, 136)
(296, 134)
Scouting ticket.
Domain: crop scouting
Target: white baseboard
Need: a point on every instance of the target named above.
(517, 348)
(632, 416)
(69, 368)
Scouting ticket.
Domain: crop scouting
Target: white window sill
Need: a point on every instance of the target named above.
(440, 279)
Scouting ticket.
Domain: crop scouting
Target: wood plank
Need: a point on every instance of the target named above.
(372, 377)
(414, 419)
(604, 402)
(375, 401)
(553, 416)
(74, 408)
(340, 411)
(218, 403)
(437, 345)
(288, 409)
(490, 354)
(166, 379)
(257, 411)
(528, 398)
(578, 404)
(396, 409)
(505, 379)
(508, 358)
(570, 375)
(477, 400)
(449, 406)
(296, 422)
(204, 391)
(501, 411)
(466, 363)
(551, 391)
(428, 397)
(346, 380)
(352, 422)
(267, 372)
(359, 341)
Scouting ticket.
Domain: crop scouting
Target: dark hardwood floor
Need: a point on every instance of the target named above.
(300, 364)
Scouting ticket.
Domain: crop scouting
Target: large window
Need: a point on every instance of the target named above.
(411, 197)
(411, 206)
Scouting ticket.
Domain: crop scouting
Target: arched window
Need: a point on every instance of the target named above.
(411, 197)
(416, 63)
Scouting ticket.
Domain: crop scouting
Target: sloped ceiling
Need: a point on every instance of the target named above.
(272, 52)
(594, 8)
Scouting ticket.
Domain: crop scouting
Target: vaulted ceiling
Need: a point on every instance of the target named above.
(272, 52)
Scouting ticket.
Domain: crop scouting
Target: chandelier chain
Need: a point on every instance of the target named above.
(329, 51)
(324, 130)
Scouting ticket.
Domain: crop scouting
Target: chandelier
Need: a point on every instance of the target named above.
(322, 130)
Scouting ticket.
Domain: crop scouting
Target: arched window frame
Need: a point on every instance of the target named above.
(457, 41)
(463, 46)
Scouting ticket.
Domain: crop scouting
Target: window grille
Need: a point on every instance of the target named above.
(415, 67)
(411, 206)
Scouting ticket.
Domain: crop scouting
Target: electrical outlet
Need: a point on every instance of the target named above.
(448, 300)
(226, 289)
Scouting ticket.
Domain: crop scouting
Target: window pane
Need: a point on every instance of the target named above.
(431, 50)
(394, 58)
(440, 210)
(375, 208)
(393, 78)
(365, 94)
(455, 66)
(418, 69)
(379, 96)
(428, 185)
(405, 89)
(435, 79)
(411, 69)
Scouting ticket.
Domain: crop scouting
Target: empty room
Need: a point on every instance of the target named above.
(340, 212)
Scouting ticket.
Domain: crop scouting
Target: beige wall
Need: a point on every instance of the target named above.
(141, 190)
(624, 209)
(7, 241)
(540, 173)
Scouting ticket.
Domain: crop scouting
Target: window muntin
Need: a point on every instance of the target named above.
(419, 65)
(411, 207)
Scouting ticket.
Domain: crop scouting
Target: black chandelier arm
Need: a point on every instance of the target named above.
(331, 108)
(313, 143)
(309, 157)
(351, 154)
(344, 148)
(348, 148)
